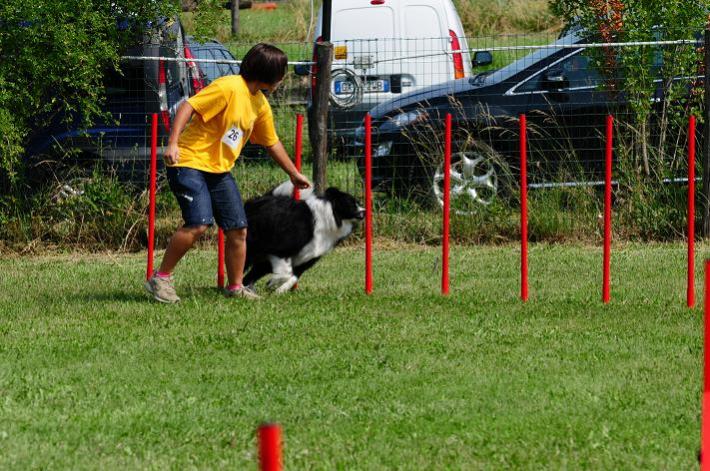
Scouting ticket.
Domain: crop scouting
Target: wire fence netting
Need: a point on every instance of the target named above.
(566, 85)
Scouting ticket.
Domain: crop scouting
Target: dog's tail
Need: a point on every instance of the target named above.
(286, 189)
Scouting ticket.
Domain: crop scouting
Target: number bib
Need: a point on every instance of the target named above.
(233, 137)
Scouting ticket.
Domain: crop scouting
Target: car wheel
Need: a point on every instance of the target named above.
(478, 177)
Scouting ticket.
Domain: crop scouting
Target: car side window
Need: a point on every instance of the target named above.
(576, 71)
(580, 72)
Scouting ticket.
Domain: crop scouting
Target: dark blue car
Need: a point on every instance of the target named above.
(558, 87)
(143, 86)
(211, 50)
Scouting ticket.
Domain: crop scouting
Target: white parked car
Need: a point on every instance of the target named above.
(383, 48)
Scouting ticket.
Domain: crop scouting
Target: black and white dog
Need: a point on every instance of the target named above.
(287, 237)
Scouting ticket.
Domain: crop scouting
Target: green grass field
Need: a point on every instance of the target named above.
(94, 375)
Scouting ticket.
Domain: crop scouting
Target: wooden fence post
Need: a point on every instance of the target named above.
(235, 18)
(318, 115)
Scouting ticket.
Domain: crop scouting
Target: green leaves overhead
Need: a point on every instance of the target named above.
(53, 55)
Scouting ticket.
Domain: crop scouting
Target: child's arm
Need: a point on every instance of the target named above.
(183, 115)
(280, 156)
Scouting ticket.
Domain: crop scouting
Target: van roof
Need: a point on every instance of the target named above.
(361, 19)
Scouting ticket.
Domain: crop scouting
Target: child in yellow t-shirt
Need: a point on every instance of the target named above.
(217, 123)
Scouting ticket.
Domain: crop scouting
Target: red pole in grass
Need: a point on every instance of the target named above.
(523, 208)
(270, 447)
(705, 408)
(368, 203)
(297, 151)
(447, 208)
(606, 284)
(220, 258)
(297, 158)
(152, 189)
(691, 213)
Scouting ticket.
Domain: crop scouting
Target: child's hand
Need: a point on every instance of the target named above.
(172, 154)
(300, 181)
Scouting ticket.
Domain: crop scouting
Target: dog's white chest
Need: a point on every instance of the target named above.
(326, 232)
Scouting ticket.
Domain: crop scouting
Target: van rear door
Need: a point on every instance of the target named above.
(395, 46)
(364, 38)
(425, 40)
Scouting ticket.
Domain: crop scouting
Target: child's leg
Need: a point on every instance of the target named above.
(229, 211)
(235, 254)
(191, 190)
(183, 239)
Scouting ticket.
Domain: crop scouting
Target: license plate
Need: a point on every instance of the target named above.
(372, 86)
(377, 86)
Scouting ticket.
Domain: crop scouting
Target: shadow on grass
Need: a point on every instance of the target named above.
(135, 296)
(191, 294)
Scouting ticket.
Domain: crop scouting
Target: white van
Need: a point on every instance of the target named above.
(386, 47)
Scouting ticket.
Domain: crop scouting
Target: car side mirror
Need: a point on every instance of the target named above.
(302, 69)
(554, 81)
(482, 58)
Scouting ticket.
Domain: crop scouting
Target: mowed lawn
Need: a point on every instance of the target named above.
(95, 375)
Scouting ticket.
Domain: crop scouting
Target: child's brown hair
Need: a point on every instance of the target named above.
(264, 63)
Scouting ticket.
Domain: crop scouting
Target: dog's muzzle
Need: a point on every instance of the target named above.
(360, 213)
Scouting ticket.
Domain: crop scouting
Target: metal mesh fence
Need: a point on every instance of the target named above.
(566, 85)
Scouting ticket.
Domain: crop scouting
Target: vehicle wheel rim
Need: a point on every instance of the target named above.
(474, 182)
(69, 189)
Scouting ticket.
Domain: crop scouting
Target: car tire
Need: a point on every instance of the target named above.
(479, 177)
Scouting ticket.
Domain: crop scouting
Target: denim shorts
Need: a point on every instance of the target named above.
(205, 197)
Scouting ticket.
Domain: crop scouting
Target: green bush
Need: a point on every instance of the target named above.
(53, 55)
(95, 212)
(649, 209)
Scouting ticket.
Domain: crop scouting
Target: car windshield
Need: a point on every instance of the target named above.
(478, 79)
(509, 71)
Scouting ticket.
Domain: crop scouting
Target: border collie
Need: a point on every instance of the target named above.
(287, 237)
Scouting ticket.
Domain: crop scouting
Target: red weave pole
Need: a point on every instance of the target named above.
(297, 160)
(691, 213)
(270, 447)
(220, 258)
(152, 190)
(297, 151)
(447, 208)
(705, 407)
(606, 283)
(368, 204)
(523, 208)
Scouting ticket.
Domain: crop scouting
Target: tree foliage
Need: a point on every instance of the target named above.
(208, 19)
(640, 71)
(636, 17)
(53, 56)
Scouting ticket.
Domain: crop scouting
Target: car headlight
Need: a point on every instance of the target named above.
(404, 119)
(384, 149)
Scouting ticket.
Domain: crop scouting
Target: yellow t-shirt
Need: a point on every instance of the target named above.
(227, 114)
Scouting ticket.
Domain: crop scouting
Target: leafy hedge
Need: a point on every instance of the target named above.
(53, 56)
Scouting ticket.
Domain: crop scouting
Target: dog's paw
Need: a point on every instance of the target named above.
(281, 284)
